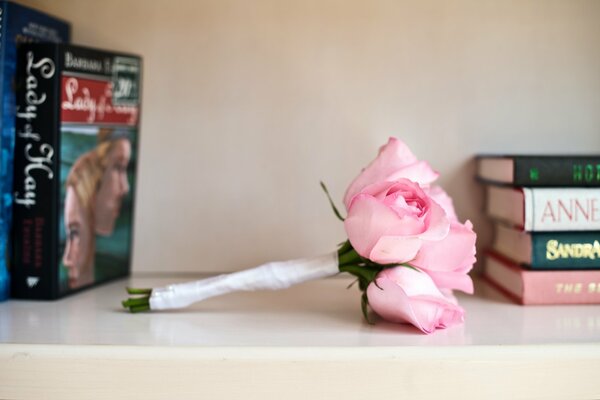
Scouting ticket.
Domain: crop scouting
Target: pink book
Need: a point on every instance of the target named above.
(542, 287)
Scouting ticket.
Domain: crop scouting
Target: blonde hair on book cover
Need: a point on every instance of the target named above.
(86, 172)
(84, 177)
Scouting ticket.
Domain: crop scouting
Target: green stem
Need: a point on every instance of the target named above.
(138, 291)
(137, 309)
(139, 303)
(368, 274)
(350, 257)
(335, 210)
(132, 302)
(346, 246)
(364, 304)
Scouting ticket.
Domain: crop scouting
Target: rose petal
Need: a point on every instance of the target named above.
(420, 172)
(449, 295)
(397, 195)
(379, 190)
(395, 249)
(452, 280)
(441, 197)
(437, 224)
(414, 282)
(455, 251)
(368, 220)
(393, 157)
(436, 313)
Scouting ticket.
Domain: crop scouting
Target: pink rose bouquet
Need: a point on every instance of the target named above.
(405, 246)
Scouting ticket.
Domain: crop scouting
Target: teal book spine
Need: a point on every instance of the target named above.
(565, 250)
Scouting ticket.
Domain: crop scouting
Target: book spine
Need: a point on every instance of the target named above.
(557, 171)
(35, 232)
(543, 287)
(565, 250)
(562, 209)
(561, 287)
(4, 230)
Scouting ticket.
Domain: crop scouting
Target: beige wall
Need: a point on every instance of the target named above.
(247, 105)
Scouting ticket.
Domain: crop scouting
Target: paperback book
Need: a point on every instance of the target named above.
(540, 170)
(542, 287)
(549, 250)
(18, 24)
(77, 132)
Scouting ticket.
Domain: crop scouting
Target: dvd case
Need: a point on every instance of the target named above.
(77, 134)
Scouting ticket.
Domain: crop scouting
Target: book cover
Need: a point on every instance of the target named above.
(549, 250)
(18, 24)
(542, 287)
(546, 209)
(76, 149)
(540, 170)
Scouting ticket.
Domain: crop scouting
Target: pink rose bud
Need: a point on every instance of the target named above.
(405, 295)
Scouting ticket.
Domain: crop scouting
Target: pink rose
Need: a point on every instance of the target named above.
(395, 161)
(405, 295)
(388, 222)
(397, 222)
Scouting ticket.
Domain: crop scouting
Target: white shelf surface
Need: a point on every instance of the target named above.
(312, 333)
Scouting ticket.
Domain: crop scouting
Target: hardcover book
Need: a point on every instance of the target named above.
(530, 170)
(542, 287)
(549, 250)
(546, 209)
(18, 24)
(76, 148)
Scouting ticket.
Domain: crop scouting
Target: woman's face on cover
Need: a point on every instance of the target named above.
(113, 187)
(80, 248)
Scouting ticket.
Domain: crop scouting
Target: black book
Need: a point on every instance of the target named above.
(75, 162)
(539, 170)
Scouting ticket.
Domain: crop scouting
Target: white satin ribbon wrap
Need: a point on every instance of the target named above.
(271, 276)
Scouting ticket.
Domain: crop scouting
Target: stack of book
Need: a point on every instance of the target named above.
(546, 209)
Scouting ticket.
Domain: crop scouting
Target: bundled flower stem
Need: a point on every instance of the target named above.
(270, 276)
(405, 246)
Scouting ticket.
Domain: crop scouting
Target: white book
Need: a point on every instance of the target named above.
(546, 209)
